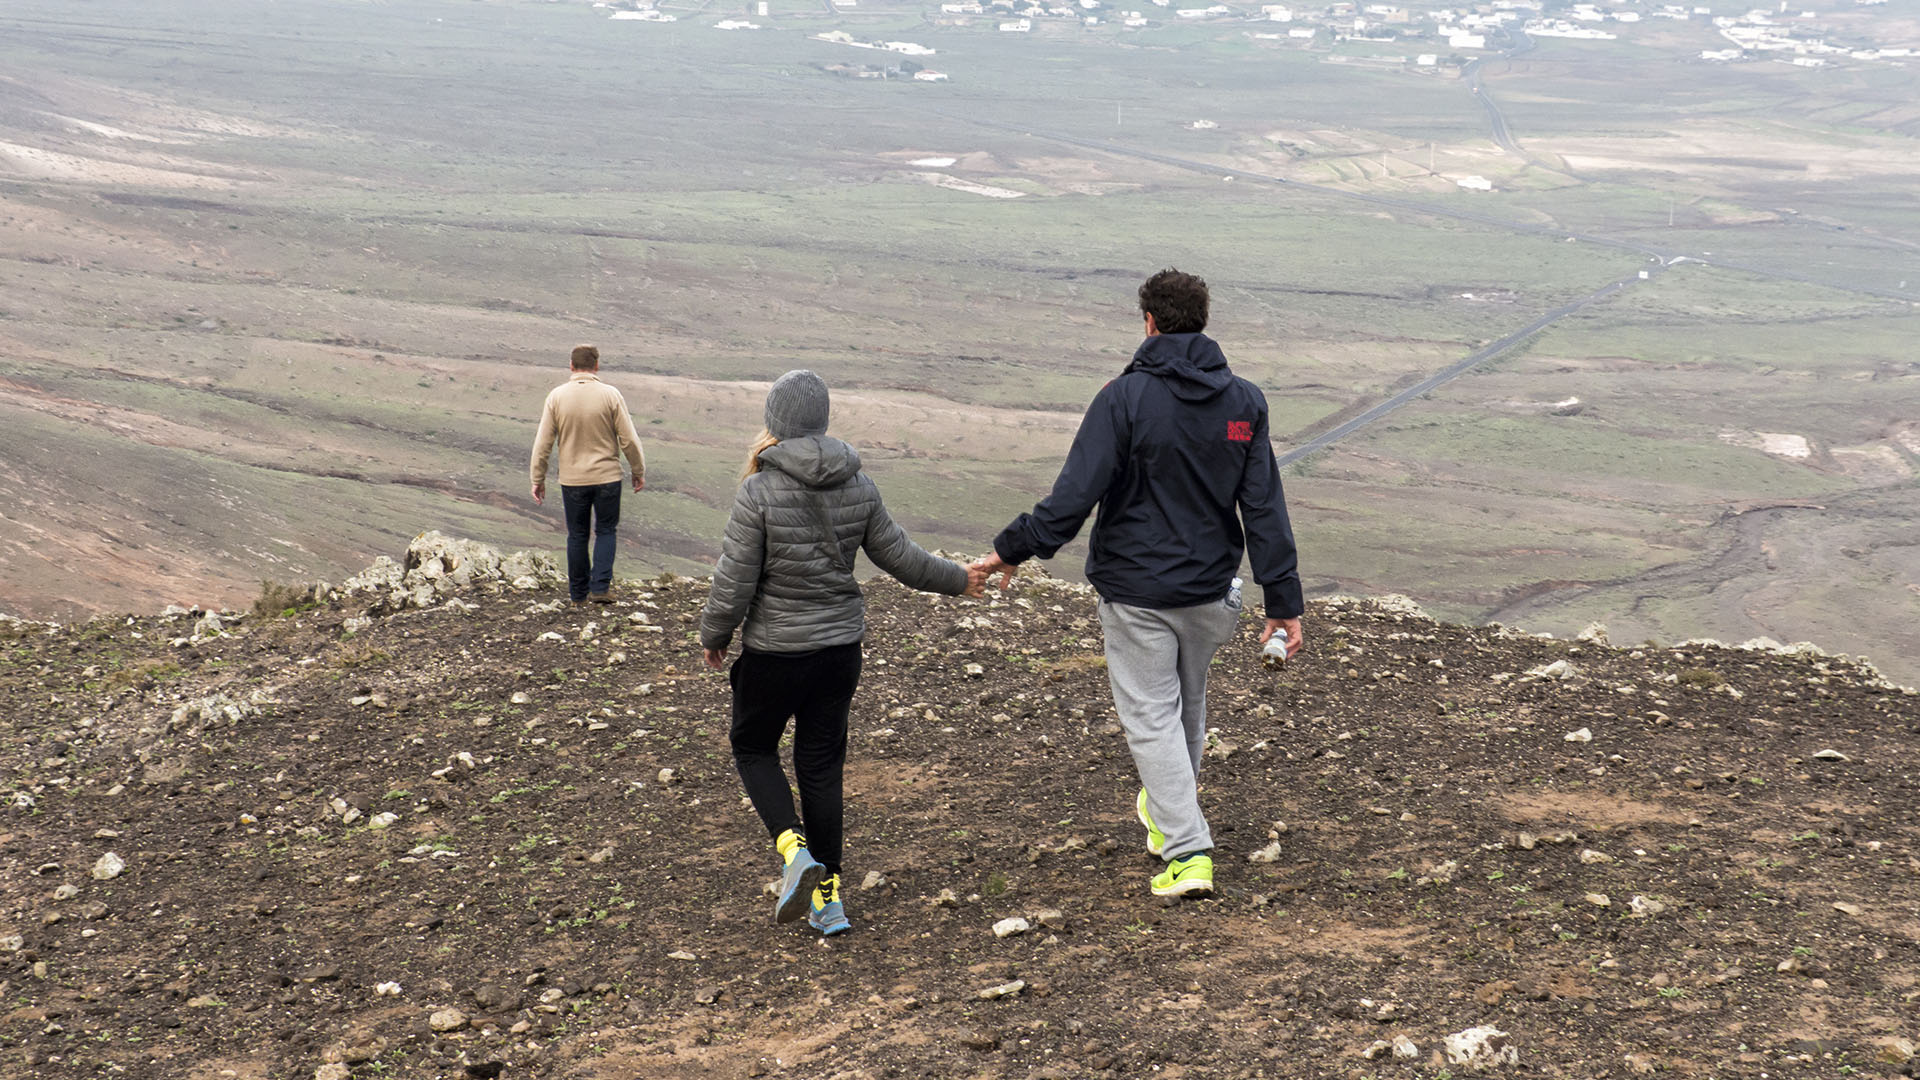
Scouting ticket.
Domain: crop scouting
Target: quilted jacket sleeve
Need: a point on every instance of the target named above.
(736, 577)
(892, 550)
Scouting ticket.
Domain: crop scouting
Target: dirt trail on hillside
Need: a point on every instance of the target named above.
(1414, 839)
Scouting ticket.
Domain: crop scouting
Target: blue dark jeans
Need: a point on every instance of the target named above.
(591, 508)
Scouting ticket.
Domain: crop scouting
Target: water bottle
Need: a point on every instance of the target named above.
(1274, 653)
(1233, 595)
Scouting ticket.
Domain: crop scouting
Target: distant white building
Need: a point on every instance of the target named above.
(1626, 16)
(1427, 59)
(907, 48)
(644, 16)
(1017, 26)
(929, 76)
(1475, 183)
(1302, 32)
(1720, 55)
(735, 24)
(1808, 62)
(1467, 41)
(1277, 12)
(1202, 125)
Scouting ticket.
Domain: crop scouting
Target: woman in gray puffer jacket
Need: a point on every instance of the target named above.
(786, 570)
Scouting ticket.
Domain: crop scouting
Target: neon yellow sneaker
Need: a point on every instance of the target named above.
(1192, 874)
(801, 877)
(828, 916)
(1156, 840)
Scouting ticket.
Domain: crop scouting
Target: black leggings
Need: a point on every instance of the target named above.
(815, 690)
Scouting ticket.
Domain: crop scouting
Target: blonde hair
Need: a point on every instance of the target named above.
(761, 442)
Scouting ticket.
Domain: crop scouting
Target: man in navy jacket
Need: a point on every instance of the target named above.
(1175, 454)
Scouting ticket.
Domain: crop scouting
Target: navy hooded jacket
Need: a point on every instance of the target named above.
(1169, 451)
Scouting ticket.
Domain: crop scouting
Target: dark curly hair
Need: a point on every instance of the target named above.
(1177, 302)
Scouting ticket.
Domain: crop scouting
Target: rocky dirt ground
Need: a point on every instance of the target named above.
(500, 836)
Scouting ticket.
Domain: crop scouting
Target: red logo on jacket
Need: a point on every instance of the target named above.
(1239, 431)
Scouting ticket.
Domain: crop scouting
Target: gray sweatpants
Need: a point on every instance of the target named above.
(1157, 662)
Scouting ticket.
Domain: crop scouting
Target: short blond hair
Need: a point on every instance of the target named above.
(585, 357)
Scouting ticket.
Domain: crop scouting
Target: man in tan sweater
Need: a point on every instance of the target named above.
(588, 422)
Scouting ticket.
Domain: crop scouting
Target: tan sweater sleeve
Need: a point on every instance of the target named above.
(543, 445)
(629, 438)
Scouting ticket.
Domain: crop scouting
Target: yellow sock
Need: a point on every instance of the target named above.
(787, 843)
(828, 892)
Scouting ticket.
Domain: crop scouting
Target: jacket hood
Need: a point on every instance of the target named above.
(1192, 364)
(820, 461)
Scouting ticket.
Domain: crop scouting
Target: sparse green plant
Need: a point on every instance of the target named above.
(1701, 678)
(280, 600)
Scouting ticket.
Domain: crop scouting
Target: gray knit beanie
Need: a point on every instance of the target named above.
(797, 406)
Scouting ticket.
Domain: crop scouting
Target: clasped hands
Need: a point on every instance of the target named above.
(980, 570)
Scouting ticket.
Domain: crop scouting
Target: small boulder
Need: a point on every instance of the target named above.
(1480, 1048)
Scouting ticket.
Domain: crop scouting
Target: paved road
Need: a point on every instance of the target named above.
(1457, 369)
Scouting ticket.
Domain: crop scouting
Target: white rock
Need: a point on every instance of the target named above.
(1594, 858)
(666, 776)
(1380, 1048)
(108, 867)
(447, 1020)
(332, 1071)
(1645, 908)
(975, 671)
(1006, 989)
(549, 636)
(1594, 634)
(66, 892)
(1845, 908)
(1480, 1047)
(1404, 1048)
(520, 697)
(1583, 735)
(681, 954)
(1559, 669)
(352, 815)
(873, 880)
(382, 819)
(1010, 927)
(1270, 853)
(1830, 755)
(12, 943)
(387, 989)
(1599, 899)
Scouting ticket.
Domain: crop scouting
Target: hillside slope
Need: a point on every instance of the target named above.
(1699, 888)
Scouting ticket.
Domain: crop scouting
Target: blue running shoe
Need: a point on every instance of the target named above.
(827, 915)
(797, 883)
